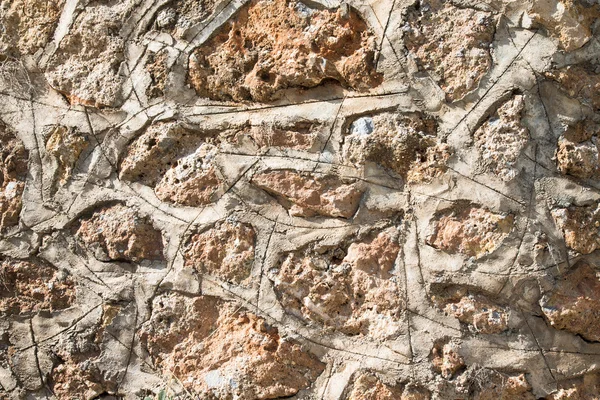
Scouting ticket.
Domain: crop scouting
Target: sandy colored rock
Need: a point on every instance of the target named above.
(156, 65)
(178, 16)
(225, 251)
(574, 302)
(405, 143)
(306, 195)
(86, 65)
(270, 46)
(445, 359)
(577, 152)
(451, 43)
(569, 21)
(27, 25)
(367, 386)
(470, 230)
(220, 352)
(579, 225)
(299, 136)
(474, 309)
(586, 387)
(352, 291)
(580, 81)
(65, 146)
(13, 162)
(33, 285)
(501, 139)
(488, 384)
(117, 233)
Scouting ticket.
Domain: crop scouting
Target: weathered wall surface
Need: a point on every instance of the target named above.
(230, 199)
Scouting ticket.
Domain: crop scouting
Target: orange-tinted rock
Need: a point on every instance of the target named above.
(569, 21)
(33, 285)
(586, 387)
(451, 43)
(180, 15)
(574, 302)
(217, 351)
(156, 65)
(118, 233)
(13, 163)
(405, 143)
(367, 386)
(270, 46)
(470, 230)
(353, 292)
(579, 225)
(65, 145)
(299, 136)
(446, 360)
(488, 384)
(306, 195)
(501, 139)
(474, 309)
(580, 82)
(225, 251)
(577, 152)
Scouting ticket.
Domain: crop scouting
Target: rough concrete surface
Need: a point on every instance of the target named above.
(300, 199)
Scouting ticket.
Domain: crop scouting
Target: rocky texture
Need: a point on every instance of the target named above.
(33, 285)
(275, 45)
(13, 160)
(300, 136)
(178, 16)
(573, 302)
(405, 143)
(219, 352)
(451, 43)
(577, 152)
(446, 359)
(487, 384)
(569, 21)
(225, 251)
(306, 195)
(470, 230)
(65, 146)
(117, 233)
(581, 81)
(349, 290)
(367, 386)
(579, 225)
(156, 65)
(501, 139)
(582, 387)
(86, 66)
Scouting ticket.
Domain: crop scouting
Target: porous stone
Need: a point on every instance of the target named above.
(579, 225)
(65, 146)
(572, 304)
(488, 384)
(446, 359)
(14, 158)
(225, 251)
(307, 195)
(270, 46)
(501, 139)
(178, 16)
(582, 387)
(451, 43)
(470, 230)
(117, 233)
(580, 81)
(219, 351)
(367, 386)
(577, 152)
(156, 65)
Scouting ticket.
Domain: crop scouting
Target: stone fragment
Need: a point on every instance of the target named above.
(33, 285)
(488, 384)
(270, 46)
(225, 251)
(585, 387)
(305, 195)
(405, 143)
(569, 21)
(446, 360)
(574, 302)
(451, 43)
(299, 136)
(501, 139)
(577, 152)
(474, 309)
(13, 162)
(65, 146)
(178, 16)
(367, 386)
(580, 81)
(350, 291)
(219, 352)
(85, 67)
(117, 233)
(579, 225)
(156, 65)
(470, 230)
(27, 25)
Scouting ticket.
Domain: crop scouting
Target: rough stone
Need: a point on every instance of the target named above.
(13, 160)
(367, 386)
(501, 139)
(574, 302)
(579, 225)
(225, 251)
(156, 65)
(488, 384)
(446, 359)
(580, 81)
(220, 352)
(352, 291)
(275, 45)
(65, 146)
(405, 143)
(178, 16)
(577, 152)
(299, 136)
(451, 43)
(117, 233)
(470, 230)
(582, 387)
(306, 195)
